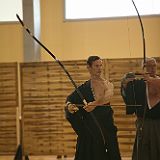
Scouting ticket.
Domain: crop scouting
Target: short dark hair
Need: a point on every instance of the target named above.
(91, 59)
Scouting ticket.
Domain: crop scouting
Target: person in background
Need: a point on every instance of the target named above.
(142, 97)
(93, 121)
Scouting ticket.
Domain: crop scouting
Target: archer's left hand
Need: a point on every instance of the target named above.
(90, 106)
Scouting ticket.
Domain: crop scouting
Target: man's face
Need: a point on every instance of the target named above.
(151, 67)
(96, 68)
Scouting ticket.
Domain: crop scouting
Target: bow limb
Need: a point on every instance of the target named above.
(143, 37)
(54, 57)
(68, 75)
(139, 130)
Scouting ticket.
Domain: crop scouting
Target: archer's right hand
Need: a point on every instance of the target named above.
(72, 108)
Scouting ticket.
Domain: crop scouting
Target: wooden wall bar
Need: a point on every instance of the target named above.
(8, 104)
(41, 108)
(44, 90)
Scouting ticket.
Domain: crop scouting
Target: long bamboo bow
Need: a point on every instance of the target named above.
(68, 75)
(143, 37)
(139, 130)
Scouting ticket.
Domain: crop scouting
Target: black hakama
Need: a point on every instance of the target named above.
(97, 134)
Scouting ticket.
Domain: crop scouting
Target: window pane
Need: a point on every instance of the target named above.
(81, 9)
(9, 9)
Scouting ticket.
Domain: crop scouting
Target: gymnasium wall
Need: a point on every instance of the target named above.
(108, 38)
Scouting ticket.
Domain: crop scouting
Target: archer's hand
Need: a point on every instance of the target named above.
(72, 108)
(90, 106)
(126, 80)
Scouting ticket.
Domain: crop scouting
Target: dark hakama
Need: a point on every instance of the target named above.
(94, 142)
(147, 141)
(148, 144)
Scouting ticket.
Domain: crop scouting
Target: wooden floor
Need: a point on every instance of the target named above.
(45, 158)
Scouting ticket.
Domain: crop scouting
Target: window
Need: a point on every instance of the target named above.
(86, 9)
(9, 9)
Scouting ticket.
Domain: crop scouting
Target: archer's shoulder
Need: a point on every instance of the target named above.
(85, 84)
